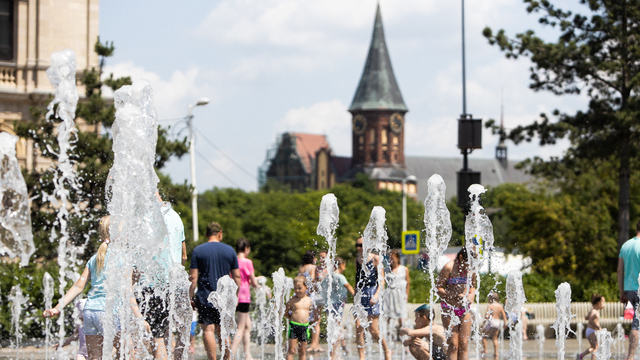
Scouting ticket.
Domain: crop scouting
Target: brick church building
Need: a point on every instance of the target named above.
(305, 161)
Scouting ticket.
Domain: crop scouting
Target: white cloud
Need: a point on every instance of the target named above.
(169, 94)
(330, 118)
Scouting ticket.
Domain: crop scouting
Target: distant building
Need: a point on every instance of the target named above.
(378, 114)
(30, 31)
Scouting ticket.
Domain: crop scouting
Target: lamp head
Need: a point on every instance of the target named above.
(202, 101)
(411, 178)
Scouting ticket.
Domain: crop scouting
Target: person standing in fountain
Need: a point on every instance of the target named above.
(209, 262)
(417, 344)
(593, 317)
(297, 311)
(370, 300)
(318, 302)
(308, 267)
(339, 289)
(93, 312)
(397, 277)
(491, 327)
(628, 271)
(456, 318)
(247, 280)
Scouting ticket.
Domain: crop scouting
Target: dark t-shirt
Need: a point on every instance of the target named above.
(213, 261)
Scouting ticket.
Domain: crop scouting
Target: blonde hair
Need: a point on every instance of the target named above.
(103, 229)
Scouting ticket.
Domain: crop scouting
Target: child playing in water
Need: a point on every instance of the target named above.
(339, 289)
(297, 311)
(491, 327)
(597, 301)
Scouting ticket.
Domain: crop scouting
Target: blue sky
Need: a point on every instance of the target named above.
(271, 66)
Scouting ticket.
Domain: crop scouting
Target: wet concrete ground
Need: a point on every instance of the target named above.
(530, 349)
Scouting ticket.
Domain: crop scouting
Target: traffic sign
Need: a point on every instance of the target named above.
(410, 242)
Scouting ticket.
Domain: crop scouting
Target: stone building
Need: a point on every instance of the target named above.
(30, 31)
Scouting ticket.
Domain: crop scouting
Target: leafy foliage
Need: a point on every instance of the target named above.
(597, 54)
(93, 158)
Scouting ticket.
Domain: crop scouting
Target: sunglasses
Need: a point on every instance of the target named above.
(358, 245)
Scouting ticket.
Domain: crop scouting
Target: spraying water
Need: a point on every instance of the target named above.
(225, 299)
(276, 310)
(479, 235)
(327, 225)
(261, 316)
(437, 222)
(515, 301)
(579, 332)
(62, 75)
(619, 342)
(604, 344)
(137, 225)
(16, 238)
(17, 300)
(540, 338)
(563, 309)
(374, 243)
(48, 289)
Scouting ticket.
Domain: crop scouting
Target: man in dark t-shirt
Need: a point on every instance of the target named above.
(209, 262)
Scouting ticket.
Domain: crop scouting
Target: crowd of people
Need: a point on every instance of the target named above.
(214, 259)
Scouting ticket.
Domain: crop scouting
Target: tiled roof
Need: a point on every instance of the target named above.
(307, 146)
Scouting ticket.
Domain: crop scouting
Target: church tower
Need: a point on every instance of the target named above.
(378, 110)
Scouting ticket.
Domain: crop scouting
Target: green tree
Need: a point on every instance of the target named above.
(93, 158)
(597, 54)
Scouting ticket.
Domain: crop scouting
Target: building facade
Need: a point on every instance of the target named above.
(30, 31)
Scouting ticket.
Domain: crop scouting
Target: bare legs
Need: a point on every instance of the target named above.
(374, 330)
(302, 349)
(243, 335)
(94, 346)
(633, 343)
(209, 334)
(458, 343)
(315, 333)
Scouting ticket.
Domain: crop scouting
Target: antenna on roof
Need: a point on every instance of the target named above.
(501, 149)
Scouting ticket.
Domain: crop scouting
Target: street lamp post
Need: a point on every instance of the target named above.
(409, 178)
(192, 152)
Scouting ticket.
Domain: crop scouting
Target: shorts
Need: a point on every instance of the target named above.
(299, 331)
(438, 353)
(336, 310)
(155, 310)
(92, 323)
(632, 296)
(207, 315)
(193, 328)
(365, 300)
(243, 307)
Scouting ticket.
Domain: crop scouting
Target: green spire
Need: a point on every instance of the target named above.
(378, 89)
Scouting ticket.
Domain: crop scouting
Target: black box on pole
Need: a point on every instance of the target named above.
(469, 133)
(466, 178)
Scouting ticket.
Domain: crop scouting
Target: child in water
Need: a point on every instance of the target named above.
(597, 301)
(491, 327)
(297, 311)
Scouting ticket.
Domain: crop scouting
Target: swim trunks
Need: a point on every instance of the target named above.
(299, 331)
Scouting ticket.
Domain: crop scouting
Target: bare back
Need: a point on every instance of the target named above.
(495, 311)
(594, 319)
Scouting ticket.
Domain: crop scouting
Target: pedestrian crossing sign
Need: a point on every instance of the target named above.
(410, 242)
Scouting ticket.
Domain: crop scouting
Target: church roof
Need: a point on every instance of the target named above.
(307, 146)
(378, 89)
(492, 172)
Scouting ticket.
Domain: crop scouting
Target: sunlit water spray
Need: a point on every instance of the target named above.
(437, 222)
(540, 338)
(261, 316)
(16, 239)
(48, 290)
(374, 242)
(327, 225)
(62, 75)
(563, 310)
(605, 341)
(18, 300)
(225, 299)
(479, 236)
(137, 226)
(276, 310)
(514, 303)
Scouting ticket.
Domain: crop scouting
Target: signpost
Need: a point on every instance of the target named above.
(410, 242)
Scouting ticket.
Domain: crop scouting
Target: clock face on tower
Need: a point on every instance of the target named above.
(396, 122)
(359, 124)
